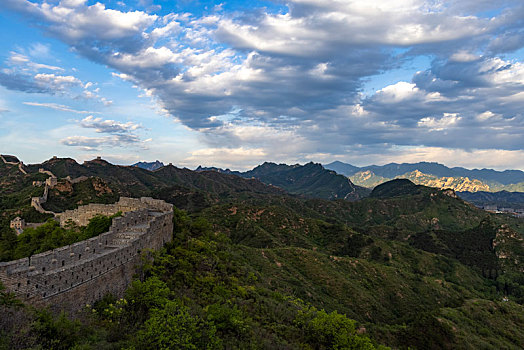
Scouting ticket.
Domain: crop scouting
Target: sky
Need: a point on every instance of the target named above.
(236, 83)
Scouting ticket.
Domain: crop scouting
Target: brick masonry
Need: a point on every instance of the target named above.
(68, 278)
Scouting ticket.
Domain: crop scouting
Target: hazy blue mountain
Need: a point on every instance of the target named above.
(391, 170)
(151, 166)
(505, 177)
(342, 168)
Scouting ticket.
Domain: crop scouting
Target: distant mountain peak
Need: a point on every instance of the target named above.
(151, 166)
(310, 180)
(212, 168)
(433, 174)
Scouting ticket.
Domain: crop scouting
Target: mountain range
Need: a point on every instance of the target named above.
(253, 265)
(310, 180)
(435, 175)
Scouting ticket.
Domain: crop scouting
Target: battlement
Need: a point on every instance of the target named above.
(70, 277)
(83, 214)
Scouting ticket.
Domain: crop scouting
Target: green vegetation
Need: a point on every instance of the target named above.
(50, 236)
(214, 288)
(69, 196)
(251, 267)
(310, 180)
(195, 294)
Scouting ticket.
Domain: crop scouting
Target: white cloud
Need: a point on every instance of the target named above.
(487, 115)
(80, 22)
(109, 126)
(119, 134)
(463, 56)
(171, 28)
(315, 26)
(438, 124)
(57, 82)
(397, 92)
(58, 107)
(72, 3)
(92, 143)
(148, 58)
(22, 61)
(297, 74)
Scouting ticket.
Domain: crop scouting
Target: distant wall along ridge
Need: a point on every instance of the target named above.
(70, 277)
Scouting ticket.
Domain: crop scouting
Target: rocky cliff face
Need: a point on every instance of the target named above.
(507, 244)
(456, 183)
(369, 179)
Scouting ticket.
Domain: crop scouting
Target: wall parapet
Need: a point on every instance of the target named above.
(71, 276)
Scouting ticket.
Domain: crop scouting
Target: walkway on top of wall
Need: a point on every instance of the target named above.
(20, 164)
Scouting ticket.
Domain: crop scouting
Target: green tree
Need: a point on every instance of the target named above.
(172, 327)
(331, 331)
(141, 297)
(57, 332)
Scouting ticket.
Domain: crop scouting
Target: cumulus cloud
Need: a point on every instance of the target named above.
(109, 126)
(433, 124)
(118, 134)
(19, 71)
(22, 74)
(56, 82)
(21, 82)
(297, 74)
(93, 143)
(469, 104)
(92, 93)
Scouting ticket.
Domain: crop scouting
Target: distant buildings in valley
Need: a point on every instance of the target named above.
(503, 210)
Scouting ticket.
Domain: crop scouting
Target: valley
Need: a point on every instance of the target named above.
(255, 258)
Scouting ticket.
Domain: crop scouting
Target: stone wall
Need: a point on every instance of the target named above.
(36, 202)
(82, 215)
(70, 277)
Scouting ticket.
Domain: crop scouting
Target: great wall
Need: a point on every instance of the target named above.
(36, 202)
(70, 277)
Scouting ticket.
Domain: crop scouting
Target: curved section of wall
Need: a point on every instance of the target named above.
(70, 277)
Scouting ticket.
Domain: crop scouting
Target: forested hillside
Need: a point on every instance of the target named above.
(251, 266)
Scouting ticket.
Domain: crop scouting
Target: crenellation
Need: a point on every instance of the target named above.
(71, 276)
(82, 215)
